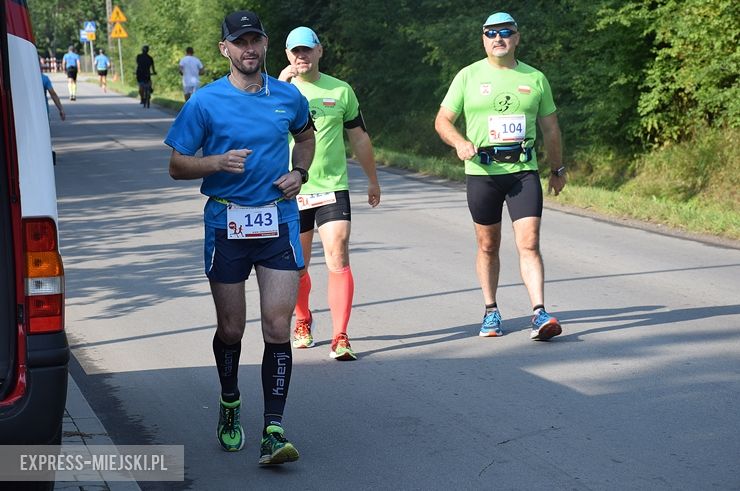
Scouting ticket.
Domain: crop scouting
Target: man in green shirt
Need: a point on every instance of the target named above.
(502, 99)
(324, 199)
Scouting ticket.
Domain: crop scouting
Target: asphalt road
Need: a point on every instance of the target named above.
(640, 391)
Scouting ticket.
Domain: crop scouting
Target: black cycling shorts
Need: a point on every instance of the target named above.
(327, 213)
(521, 191)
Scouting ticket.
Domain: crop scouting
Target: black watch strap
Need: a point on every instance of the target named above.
(559, 172)
(304, 174)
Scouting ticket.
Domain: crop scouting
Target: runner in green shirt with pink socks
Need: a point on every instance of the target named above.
(324, 199)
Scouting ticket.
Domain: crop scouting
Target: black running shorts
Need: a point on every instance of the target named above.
(521, 191)
(327, 213)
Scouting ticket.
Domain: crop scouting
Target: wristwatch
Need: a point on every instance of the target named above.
(560, 172)
(304, 174)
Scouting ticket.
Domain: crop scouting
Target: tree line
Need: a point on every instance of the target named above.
(627, 75)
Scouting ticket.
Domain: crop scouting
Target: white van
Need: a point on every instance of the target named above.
(33, 345)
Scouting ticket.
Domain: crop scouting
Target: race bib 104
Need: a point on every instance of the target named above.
(507, 129)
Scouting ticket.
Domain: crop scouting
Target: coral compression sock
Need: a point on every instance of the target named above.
(304, 290)
(341, 292)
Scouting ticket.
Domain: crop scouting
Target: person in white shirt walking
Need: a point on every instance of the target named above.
(191, 69)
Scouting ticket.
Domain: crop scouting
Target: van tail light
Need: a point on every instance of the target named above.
(44, 276)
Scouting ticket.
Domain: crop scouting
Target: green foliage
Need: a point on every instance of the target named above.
(168, 27)
(595, 71)
(57, 24)
(692, 80)
(382, 57)
(627, 75)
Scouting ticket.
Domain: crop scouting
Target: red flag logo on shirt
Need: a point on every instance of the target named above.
(330, 102)
(524, 89)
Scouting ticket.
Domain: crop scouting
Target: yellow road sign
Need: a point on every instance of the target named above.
(90, 36)
(118, 32)
(117, 15)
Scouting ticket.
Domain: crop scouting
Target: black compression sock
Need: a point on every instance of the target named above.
(227, 363)
(277, 365)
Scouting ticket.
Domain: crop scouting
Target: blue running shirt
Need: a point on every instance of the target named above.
(72, 59)
(102, 62)
(46, 82)
(218, 118)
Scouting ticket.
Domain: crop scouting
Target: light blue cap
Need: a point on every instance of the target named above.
(499, 18)
(302, 36)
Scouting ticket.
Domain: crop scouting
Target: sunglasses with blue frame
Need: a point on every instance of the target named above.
(504, 33)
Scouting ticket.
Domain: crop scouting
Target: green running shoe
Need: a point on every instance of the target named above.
(230, 431)
(341, 349)
(302, 333)
(275, 448)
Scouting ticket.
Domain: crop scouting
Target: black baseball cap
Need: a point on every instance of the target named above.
(237, 23)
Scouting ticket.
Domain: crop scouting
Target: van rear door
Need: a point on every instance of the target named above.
(9, 227)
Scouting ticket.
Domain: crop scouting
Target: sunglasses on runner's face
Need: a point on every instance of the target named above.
(504, 33)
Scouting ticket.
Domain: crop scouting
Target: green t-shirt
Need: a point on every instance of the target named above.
(332, 103)
(500, 106)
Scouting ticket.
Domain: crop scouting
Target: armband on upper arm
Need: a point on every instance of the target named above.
(354, 123)
(309, 124)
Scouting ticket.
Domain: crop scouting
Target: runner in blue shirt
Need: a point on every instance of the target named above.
(71, 65)
(241, 124)
(49, 89)
(102, 65)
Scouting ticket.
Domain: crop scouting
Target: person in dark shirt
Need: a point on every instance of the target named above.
(144, 71)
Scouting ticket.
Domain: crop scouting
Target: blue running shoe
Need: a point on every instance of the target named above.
(491, 326)
(544, 326)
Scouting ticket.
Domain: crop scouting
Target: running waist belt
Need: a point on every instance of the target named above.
(509, 154)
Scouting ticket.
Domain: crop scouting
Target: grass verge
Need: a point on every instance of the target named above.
(691, 216)
(694, 215)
